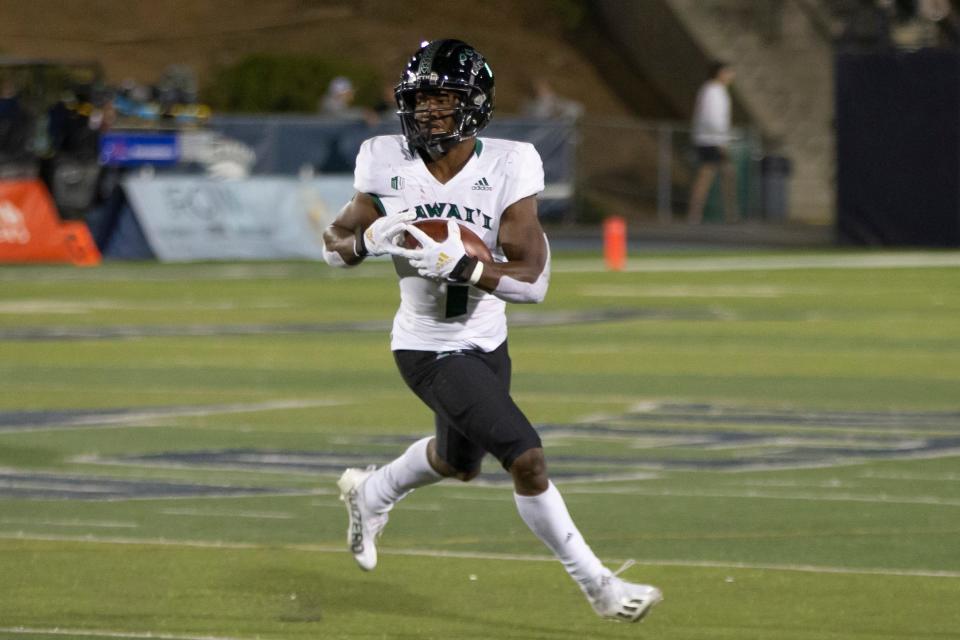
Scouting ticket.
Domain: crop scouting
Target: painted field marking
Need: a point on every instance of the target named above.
(406, 507)
(684, 291)
(255, 515)
(169, 273)
(102, 524)
(912, 477)
(760, 495)
(140, 464)
(135, 417)
(886, 260)
(69, 307)
(472, 555)
(103, 633)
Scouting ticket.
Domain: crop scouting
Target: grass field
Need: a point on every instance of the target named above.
(775, 438)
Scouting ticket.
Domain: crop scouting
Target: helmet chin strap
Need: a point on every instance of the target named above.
(435, 149)
(438, 149)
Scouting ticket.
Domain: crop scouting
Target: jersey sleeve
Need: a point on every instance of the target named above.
(526, 174)
(378, 164)
(365, 173)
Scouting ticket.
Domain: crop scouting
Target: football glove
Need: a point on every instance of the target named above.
(383, 236)
(438, 260)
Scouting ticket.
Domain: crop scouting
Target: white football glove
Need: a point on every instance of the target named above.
(436, 259)
(383, 236)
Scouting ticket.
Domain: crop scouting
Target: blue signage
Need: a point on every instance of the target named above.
(119, 149)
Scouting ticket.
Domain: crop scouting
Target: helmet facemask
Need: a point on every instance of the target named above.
(434, 126)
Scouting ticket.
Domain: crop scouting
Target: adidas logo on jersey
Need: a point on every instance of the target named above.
(482, 185)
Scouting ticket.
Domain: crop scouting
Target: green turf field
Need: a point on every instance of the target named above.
(774, 437)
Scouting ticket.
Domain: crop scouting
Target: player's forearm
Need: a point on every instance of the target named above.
(340, 248)
(517, 282)
(518, 291)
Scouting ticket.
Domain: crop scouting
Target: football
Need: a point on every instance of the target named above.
(437, 229)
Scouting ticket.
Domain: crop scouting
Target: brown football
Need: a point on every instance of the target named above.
(437, 229)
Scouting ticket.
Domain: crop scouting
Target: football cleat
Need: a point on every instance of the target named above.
(618, 599)
(365, 526)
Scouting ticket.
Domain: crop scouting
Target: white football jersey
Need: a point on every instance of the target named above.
(436, 316)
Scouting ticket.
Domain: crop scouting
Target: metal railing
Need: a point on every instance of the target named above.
(643, 170)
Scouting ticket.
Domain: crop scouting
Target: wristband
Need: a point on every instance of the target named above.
(477, 273)
(359, 249)
(465, 265)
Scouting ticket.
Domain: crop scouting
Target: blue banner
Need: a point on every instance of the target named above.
(121, 149)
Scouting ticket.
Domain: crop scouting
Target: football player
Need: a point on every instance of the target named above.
(449, 336)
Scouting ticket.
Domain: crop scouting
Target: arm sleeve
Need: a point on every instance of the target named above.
(512, 290)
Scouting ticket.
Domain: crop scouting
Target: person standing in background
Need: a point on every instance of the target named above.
(711, 137)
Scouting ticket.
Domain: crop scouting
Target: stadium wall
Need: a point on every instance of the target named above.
(898, 148)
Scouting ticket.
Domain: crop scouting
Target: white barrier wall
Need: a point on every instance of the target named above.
(187, 218)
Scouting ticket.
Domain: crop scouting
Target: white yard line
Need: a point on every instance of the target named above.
(105, 633)
(160, 464)
(911, 477)
(45, 484)
(885, 260)
(280, 493)
(255, 515)
(103, 524)
(719, 291)
(475, 555)
(106, 419)
(406, 507)
(751, 495)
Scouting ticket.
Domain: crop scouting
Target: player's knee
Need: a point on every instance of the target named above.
(530, 469)
(467, 476)
(447, 470)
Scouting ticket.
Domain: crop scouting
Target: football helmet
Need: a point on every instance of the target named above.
(444, 66)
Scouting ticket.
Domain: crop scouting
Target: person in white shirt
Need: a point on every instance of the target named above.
(711, 137)
(449, 336)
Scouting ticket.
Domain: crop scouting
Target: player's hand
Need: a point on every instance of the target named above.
(383, 236)
(436, 259)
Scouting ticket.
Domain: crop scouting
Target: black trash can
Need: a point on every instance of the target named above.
(775, 187)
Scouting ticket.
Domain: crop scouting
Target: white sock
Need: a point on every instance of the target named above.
(392, 482)
(547, 516)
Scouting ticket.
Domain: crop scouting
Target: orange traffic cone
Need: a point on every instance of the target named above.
(615, 243)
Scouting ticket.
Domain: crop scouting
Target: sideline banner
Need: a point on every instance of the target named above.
(31, 229)
(126, 149)
(261, 218)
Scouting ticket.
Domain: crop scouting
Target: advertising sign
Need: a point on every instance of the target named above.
(198, 218)
(31, 229)
(122, 149)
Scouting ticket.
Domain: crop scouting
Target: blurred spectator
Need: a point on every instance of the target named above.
(711, 137)
(173, 100)
(14, 124)
(942, 13)
(546, 103)
(177, 86)
(338, 102)
(9, 98)
(386, 106)
(939, 23)
(62, 122)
